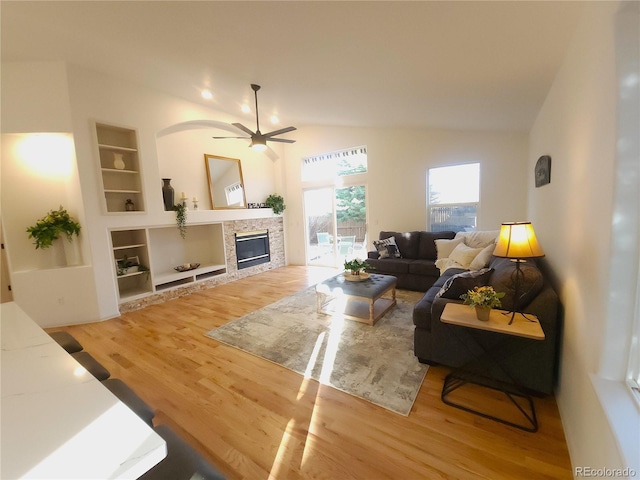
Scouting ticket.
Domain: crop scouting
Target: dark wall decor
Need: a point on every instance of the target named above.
(543, 170)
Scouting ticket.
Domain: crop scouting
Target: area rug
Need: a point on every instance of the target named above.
(375, 363)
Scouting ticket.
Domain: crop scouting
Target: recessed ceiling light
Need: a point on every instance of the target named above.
(246, 108)
(206, 94)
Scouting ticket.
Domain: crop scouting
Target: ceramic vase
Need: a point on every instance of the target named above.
(483, 313)
(167, 194)
(118, 161)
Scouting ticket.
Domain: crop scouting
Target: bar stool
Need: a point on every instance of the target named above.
(91, 365)
(66, 341)
(182, 462)
(127, 396)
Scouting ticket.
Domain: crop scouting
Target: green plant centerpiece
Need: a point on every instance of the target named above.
(181, 218)
(275, 202)
(483, 299)
(355, 266)
(49, 228)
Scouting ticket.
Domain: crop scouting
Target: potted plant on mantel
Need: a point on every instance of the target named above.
(276, 203)
(483, 299)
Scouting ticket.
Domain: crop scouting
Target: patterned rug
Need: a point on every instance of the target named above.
(375, 363)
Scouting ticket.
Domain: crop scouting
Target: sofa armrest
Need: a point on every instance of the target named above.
(373, 254)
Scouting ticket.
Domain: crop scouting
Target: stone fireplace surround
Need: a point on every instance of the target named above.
(276, 246)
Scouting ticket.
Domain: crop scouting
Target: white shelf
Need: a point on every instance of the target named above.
(122, 191)
(132, 274)
(115, 170)
(124, 247)
(116, 148)
(173, 276)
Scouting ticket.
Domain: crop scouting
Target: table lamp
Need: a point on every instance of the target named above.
(517, 241)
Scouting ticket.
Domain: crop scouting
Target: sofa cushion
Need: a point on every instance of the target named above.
(464, 255)
(483, 258)
(389, 266)
(408, 242)
(387, 248)
(460, 283)
(444, 247)
(478, 239)
(427, 246)
(424, 267)
(502, 280)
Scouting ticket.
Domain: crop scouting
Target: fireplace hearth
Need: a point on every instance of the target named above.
(252, 248)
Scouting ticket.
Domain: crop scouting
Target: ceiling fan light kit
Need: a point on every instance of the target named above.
(258, 139)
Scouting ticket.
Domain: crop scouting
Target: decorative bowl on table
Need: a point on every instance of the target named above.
(185, 267)
(356, 278)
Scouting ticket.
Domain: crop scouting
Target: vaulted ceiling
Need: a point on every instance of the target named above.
(449, 64)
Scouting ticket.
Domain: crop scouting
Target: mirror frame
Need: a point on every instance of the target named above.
(208, 158)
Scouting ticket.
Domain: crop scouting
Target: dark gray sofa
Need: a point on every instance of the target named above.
(533, 364)
(416, 269)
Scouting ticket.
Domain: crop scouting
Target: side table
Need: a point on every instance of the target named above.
(495, 355)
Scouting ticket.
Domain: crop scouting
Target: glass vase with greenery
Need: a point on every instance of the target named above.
(50, 227)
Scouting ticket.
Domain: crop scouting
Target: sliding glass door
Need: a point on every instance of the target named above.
(336, 226)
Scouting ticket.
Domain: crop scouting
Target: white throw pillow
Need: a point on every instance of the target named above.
(464, 255)
(479, 239)
(445, 247)
(483, 258)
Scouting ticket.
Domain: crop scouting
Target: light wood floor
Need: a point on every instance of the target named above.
(255, 420)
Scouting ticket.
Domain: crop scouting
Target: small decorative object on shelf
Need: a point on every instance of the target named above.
(483, 299)
(257, 205)
(129, 206)
(183, 201)
(51, 226)
(118, 161)
(167, 194)
(186, 267)
(181, 218)
(195, 203)
(275, 202)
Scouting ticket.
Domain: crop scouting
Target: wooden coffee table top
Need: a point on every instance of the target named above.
(371, 288)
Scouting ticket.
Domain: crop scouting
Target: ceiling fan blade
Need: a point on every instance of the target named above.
(278, 132)
(283, 140)
(222, 138)
(243, 128)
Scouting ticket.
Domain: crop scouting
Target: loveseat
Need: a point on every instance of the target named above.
(531, 363)
(410, 257)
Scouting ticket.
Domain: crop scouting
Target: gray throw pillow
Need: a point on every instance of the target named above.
(463, 282)
(502, 280)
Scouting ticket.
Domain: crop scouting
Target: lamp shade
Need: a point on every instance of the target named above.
(517, 240)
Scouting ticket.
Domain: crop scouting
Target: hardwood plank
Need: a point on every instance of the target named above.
(256, 420)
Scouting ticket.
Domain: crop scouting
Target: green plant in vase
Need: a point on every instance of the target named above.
(275, 202)
(181, 218)
(355, 266)
(49, 228)
(483, 299)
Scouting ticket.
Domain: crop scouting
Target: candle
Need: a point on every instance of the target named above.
(183, 195)
(195, 199)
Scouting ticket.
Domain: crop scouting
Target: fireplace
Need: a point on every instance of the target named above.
(252, 248)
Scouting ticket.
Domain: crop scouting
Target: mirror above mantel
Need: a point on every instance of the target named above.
(226, 186)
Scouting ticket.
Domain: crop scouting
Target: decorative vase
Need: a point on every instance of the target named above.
(483, 313)
(118, 162)
(72, 251)
(167, 194)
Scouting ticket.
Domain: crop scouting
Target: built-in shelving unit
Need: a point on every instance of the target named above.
(161, 250)
(130, 244)
(120, 168)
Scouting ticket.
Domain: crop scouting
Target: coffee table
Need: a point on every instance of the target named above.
(363, 301)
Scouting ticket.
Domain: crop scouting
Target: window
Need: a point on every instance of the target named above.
(453, 194)
(335, 164)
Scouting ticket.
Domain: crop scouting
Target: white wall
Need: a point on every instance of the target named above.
(574, 216)
(70, 99)
(398, 161)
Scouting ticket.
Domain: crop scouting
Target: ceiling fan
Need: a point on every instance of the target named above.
(259, 139)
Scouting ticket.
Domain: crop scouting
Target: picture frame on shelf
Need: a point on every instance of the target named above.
(127, 265)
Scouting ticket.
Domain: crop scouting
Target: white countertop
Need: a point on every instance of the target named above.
(58, 421)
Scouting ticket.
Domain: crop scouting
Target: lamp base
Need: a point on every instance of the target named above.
(513, 315)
